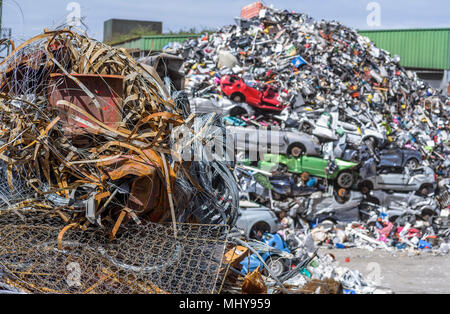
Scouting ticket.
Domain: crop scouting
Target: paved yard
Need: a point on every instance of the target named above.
(423, 273)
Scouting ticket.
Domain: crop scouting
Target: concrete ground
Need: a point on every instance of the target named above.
(402, 273)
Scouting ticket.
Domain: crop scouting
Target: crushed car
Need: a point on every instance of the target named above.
(275, 140)
(422, 180)
(342, 171)
(265, 99)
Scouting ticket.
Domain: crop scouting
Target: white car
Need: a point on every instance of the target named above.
(222, 106)
(275, 141)
(254, 218)
(328, 126)
(422, 180)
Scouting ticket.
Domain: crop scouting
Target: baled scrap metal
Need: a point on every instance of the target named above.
(86, 129)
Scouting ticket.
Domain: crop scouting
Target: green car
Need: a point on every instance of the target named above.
(313, 165)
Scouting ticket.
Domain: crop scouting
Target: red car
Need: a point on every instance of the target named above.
(235, 88)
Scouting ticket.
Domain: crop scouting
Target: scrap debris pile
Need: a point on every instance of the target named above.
(86, 134)
(87, 146)
(362, 156)
(290, 263)
(337, 144)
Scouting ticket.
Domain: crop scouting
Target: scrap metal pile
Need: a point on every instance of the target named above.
(363, 152)
(290, 263)
(337, 144)
(86, 133)
(91, 175)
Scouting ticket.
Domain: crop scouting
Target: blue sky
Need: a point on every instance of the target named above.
(29, 17)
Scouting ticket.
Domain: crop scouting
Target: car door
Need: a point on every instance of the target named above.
(391, 180)
(391, 158)
(314, 166)
(246, 139)
(416, 178)
(252, 95)
(270, 141)
(270, 96)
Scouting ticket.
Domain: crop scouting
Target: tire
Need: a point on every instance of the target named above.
(296, 150)
(306, 128)
(427, 212)
(366, 187)
(261, 226)
(371, 142)
(411, 164)
(425, 189)
(238, 111)
(345, 179)
(276, 265)
(237, 97)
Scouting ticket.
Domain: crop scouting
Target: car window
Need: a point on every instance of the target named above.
(417, 171)
(269, 93)
(391, 170)
(388, 152)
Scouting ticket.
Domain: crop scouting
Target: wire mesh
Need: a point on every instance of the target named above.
(141, 259)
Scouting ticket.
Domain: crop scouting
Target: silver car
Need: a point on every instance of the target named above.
(400, 202)
(326, 126)
(275, 141)
(254, 218)
(404, 206)
(222, 106)
(324, 204)
(386, 199)
(421, 179)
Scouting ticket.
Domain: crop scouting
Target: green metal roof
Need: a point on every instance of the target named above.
(418, 48)
(154, 43)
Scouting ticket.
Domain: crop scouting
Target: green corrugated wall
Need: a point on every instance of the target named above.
(418, 48)
(154, 43)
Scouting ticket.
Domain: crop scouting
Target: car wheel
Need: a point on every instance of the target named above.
(276, 264)
(258, 229)
(412, 164)
(366, 187)
(238, 111)
(306, 128)
(237, 97)
(345, 180)
(425, 189)
(371, 142)
(296, 150)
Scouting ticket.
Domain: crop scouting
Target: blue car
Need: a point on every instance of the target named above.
(278, 265)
